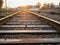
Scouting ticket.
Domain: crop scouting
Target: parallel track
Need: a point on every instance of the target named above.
(25, 27)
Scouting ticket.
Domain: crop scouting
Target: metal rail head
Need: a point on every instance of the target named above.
(52, 22)
(4, 19)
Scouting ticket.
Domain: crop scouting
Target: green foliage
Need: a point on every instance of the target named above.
(2, 9)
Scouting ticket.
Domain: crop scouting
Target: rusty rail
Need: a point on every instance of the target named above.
(52, 22)
(4, 19)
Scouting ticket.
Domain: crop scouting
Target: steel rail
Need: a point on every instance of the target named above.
(49, 20)
(4, 19)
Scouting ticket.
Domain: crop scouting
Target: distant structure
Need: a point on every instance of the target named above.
(48, 5)
(38, 5)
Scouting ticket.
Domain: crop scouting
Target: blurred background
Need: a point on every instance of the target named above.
(6, 6)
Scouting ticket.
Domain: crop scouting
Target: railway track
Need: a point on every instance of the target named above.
(27, 28)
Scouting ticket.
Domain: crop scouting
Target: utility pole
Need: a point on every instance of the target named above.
(6, 6)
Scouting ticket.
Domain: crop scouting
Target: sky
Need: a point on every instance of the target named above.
(16, 3)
